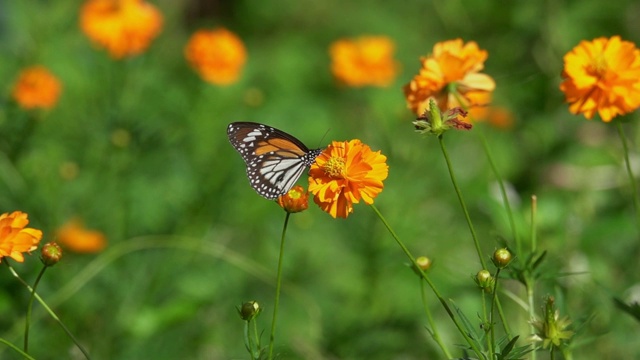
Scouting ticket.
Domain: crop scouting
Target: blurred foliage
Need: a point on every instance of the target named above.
(189, 240)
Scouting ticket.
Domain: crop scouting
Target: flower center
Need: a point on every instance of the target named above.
(334, 167)
(598, 65)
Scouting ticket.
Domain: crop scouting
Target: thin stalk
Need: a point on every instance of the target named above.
(431, 285)
(29, 307)
(486, 321)
(491, 312)
(505, 324)
(51, 312)
(434, 328)
(257, 339)
(632, 179)
(17, 349)
(462, 203)
(278, 285)
(528, 282)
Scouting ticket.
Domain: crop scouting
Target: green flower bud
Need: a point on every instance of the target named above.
(501, 258)
(249, 310)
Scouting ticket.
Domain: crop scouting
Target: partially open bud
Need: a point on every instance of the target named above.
(296, 200)
(51, 254)
(249, 310)
(501, 258)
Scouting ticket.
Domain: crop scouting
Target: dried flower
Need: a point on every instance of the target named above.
(15, 238)
(551, 330)
(296, 200)
(36, 88)
(602, 76)
(367, 60)
(75, 237)
(435, 122)
(217, 55)
(451, 75)
(123, 27)
(344, 173)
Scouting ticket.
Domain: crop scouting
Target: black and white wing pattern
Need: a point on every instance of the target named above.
(275, 160)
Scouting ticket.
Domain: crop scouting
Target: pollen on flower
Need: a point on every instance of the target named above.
(334, 167)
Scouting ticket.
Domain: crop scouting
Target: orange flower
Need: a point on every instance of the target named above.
(604, 76)
(344, 173)
(296, 200)
(15, 239)
(75, 237)
(217, 55)
(367, 60)
(451, 75)
(36, 88)
(123, 27)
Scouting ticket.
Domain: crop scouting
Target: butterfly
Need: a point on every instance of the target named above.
(275, 160)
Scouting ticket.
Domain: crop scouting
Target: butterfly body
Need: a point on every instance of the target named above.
(275, 160)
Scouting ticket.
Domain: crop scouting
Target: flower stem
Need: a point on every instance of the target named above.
(51, 312)
(462, 203)
(434, 328)
(29, 307)
(491, 312)
(529, 283)
(17, 349)
(463, 332)
(278, 285)
(632, 179)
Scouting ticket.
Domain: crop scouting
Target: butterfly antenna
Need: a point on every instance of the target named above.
(325, 135)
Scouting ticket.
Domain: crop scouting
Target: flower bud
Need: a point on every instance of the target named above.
(501, 258)
(51, 254)
(249, 310)
(484, 280)
(296, 200)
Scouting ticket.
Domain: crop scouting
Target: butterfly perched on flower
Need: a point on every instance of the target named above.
(275, 160)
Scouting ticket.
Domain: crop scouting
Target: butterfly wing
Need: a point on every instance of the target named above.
(275, 160)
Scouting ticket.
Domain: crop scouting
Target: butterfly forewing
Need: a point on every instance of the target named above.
(275, 160)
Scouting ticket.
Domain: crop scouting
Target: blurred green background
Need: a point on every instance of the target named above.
(189, 240)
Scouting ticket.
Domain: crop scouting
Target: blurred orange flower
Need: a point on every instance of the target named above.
(296, 200)
(451, 75)
(602, 76)
(36, 87)
(367, 60)
(344, 173)
(75, 237)
(217, 55)
(123, 27)
(15, 239)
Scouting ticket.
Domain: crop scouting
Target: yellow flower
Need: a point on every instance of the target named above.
(75, 237)
(36, 88)
(367, 60)
(296, 200)
(451, 75)
(602, 76)
(123, 27)
(15, 239)
(344, 173)
(217, 55)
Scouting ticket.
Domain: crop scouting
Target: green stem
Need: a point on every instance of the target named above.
(431, 285)
(491, 312)
(505, 324)
(257, 339)
(434, 328)
(278, 284)
(503, 192)
(17, 349)
(462, 203)
(486, 321)
(29, 307)
(529, 283)
(51, 312)
(632, 179)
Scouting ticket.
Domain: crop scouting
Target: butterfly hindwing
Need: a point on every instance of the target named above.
(275, 160)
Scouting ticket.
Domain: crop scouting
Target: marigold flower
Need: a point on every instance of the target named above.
(36, 87)
(451, 75)
(296, 200)
(218, 55)
(602, 76)
(75, 237)
(367, 60)
(344, 173)
(123, 27)
(15, 238)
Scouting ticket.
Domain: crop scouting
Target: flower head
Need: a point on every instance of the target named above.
(217, 55)
(15, 238)
(451, 75)
(344, 173)
(123, 27)
(367, 60)
(296, 200)
(51, 254)
(602, 76)
(36, 88)
(75, 237)
(551, 330)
